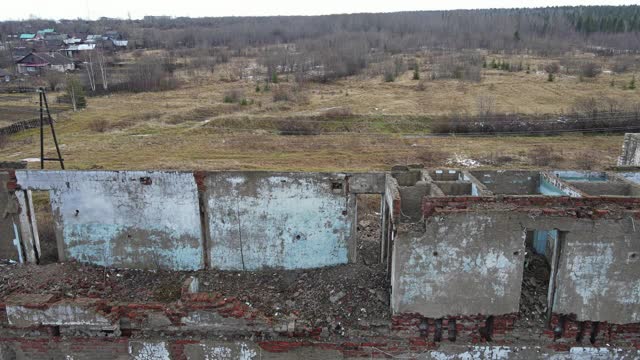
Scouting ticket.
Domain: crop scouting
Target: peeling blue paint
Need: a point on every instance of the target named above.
(114, 218)
(289, 221)
(546, 188)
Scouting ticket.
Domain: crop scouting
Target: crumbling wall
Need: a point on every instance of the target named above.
(9, 233)
(467, 258)
(510, 182)
(461, 264)
(282, 220)
(599, 270)
(130, 219)
(630, 151)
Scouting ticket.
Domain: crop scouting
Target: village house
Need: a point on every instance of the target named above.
(35, 63)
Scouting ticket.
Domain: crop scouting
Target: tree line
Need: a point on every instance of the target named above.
(552, 29)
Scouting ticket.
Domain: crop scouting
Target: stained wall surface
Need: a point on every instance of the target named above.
(630, 150)
(461, 264)
(599, 271)
(132, 219)
(10, 245)
(466, 264)
(278, 220)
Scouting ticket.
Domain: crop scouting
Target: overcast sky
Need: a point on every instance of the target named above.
(57, 9)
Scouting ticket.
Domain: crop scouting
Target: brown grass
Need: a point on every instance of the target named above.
(191, 127)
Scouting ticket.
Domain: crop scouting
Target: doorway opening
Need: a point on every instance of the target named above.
(369, 228)
(44, 225)
(537, 276)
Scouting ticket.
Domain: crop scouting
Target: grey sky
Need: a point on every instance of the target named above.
(50, 9)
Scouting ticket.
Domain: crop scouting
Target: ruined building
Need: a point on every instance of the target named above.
(468, 264)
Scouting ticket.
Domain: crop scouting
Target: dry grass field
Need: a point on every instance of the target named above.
(380, 124)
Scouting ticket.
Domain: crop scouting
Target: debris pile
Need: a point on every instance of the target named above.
(535, 287)
(349, 294)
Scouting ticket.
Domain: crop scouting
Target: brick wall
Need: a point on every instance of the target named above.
(592, 207)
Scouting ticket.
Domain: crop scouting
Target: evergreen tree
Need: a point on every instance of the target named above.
(416, 73)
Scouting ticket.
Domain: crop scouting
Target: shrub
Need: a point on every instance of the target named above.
(590, 70)
(298, 127)
(233, 96)
(389, 76)
(552, 68)
(338, 112)
(99, 125)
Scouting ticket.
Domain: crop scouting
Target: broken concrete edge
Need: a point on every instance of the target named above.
(630, 155)
(246, 349)
(586, 207)
(25, 311)
(189, 286)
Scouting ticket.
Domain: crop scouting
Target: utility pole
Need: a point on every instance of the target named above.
(43, 101)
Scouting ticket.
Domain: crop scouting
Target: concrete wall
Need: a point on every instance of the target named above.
(466, 263)
(607, 188)
(133, 219)
(281, 220)
(461, 264)
(598, 275)
(630, 151)
(9, 234)
(186, 221)
(599, 271)
(510, 182)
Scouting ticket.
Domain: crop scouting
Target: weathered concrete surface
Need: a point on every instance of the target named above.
(149, 350)
(451, 188)
(471, 263)
(366, 183)
(607, 188)
(9, 233)
(510, 182)
(278, 220)
(411, 200)
(211, 320)
(599, 270)
(461, 264)
(550, 184)
(223, 350)
(632, 176)
(630, 155)
(456, 352)
(76, 312)
(478, 188)
(130, 219)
